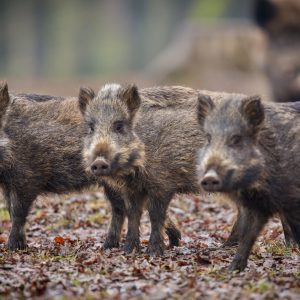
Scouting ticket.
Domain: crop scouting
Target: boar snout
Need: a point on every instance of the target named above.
(211, 181)
(100, 167)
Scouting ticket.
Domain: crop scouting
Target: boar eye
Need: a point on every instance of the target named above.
(119, 127)
(235, 140)
(91, 127)
(208, 137)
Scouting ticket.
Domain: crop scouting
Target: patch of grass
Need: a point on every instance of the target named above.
(61, 223)
(217, 273)
(297, 274)
(278, 249)
(76, 282)
(97, 218)
(4, 214)
(275, 273)
(260, 287)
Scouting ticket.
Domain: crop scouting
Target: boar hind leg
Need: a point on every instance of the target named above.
(294, 225)
(234, 236)
(251, 226)
(288, 235)
(134, 207)
(18, 210)
(173, 233)
(118, 217)
(158, 214)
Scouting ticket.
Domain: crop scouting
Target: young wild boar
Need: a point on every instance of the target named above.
(41, 145)
(137, 145)
(251, 152)
(45, 140)
(280, 21)
(6, 155)
(143, 149)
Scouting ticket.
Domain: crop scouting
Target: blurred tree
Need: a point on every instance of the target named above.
(88, 37)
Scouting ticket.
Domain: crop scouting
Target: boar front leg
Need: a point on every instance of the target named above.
(251, 225)
(288, 235)
(18, 209)
(118, 217)
(293, 223)
(173, 233)
(134, 202)
(234, 236)
(158, 207)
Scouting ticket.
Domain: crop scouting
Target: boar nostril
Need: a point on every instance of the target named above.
(104, 166)
(211, 181)
(100, 167)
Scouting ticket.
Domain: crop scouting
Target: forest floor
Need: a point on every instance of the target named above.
(65, 259)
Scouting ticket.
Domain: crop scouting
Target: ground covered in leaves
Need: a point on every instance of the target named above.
(65, 259)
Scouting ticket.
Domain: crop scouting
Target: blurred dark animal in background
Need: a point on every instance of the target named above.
(280, 20)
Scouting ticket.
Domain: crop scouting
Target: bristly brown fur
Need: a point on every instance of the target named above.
(166, 125)
(40, 151)
(41, 154)
(255, 167)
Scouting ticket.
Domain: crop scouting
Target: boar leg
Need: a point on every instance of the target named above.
(288, 236)
(118, 217)
(252, 223)
(158, 215)
(134, 206)
(294, 225)
(233, 238)
(18, 210)
(173, 233)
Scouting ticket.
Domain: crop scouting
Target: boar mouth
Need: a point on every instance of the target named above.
(249, 176)
(125, 163)
(213, 181)
(122, 164)
(234, 180)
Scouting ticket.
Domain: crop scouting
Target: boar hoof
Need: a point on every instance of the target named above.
(156, 249)
(16, 243)
(238, 264)
(174, 238)
(130, 245)
(110, 243)
(174, 242)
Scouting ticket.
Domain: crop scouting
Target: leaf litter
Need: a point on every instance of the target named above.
(65, 258)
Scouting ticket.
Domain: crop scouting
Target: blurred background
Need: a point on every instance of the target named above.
(53, 46)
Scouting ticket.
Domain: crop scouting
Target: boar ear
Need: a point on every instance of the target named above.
(130, 95)
(4, 98)
(205, 105)
(86, 95)
(253, 110)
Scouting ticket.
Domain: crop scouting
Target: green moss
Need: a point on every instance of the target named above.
(4, 214)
